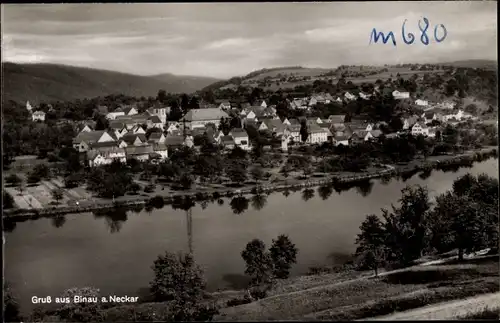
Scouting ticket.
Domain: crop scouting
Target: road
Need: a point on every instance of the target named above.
(447, 310)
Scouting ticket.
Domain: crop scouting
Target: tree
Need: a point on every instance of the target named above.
(57, 194)
(237, 172)
(175, 112)
(257, 173)
(186, 181)
(371, 243)
(162, 96)
(304, 131)
(101, 123)
(239, 204)
(259, 266)
(11, 311)
(283, 254)
(177, 278)
(406, 225)
(84, 311)
(7, 201)
(13, 180)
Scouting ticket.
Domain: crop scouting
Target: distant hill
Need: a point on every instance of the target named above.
(47, 82)
(474, 63)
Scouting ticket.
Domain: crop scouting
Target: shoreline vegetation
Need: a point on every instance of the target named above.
(342, 182)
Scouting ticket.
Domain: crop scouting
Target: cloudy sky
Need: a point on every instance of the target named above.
(228, 39)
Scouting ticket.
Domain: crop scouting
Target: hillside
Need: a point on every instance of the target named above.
(47, 82)
(475, 63)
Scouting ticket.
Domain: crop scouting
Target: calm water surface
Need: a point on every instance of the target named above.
(116, 257)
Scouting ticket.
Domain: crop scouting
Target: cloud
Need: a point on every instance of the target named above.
(227, 39)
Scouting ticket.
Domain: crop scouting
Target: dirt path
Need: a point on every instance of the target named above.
(447, 310)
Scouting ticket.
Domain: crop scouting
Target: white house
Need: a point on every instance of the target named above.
(422, 103)
(161, 149)
(364, 96)
(84, 139)
(226, 105)
(173, 127)
(400, 95)
(198, 118)
(138, 129)
(240, 138)
(341, 140)
(161, 113)
(420, 129)
(317, 135)
(38, 116)
(349, 96)
(113, 115)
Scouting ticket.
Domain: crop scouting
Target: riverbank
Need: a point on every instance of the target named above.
(337, 180)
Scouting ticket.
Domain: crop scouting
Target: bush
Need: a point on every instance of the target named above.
(157, 202)
(238, 301)
(150, 188)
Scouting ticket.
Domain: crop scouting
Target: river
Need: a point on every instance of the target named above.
(44, 257)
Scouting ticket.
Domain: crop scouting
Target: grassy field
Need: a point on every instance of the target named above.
(368, 297)
(489, 313)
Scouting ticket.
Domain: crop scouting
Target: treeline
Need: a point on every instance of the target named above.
(464, 218)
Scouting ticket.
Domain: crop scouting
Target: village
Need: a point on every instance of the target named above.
(149, 136)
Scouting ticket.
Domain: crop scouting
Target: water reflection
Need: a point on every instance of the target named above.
(58, 221)
(425, 174)
(220, 201)
(286, 192)
(114, 218)
(204, 204)
(239, 204)
(385, 180)
(9, 226)
(307, 194)
(364, 188)
(259, 201)
(325, 191)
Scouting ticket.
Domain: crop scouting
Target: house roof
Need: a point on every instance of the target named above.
(341, 137)
(128, 109)
(116, 124)
(130, 138)
(429, 115)
(336, 118)
(155, 135)
(102, 109)
(155, 119)
(376, 133)
(41, 113)
(227, 140)
(205, 114)
(174, 140)
(239, 133)
(89, 137)
(106, 144)
(139, 150)
(160, 147)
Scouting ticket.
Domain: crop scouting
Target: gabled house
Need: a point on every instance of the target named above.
(400, 94)
(174, 141)
(422, 103)
(38, 116)
(133, 139)
(420, 129)
(161, 149)
(114, 114)
(102, 110)
(317, 135)
(160, 112)
(196, 118)
(173, 127)
(349, 96)
(341, 140)
(129, 110)
(240, 138)
(225, 105)
(428, 117)
(408, 122)
(261, 103)
(120, 132)
(365, 96)
(83, 128)
(141, 153)
(155, 122)
(274, 126)
(336, 119)
(156, 138)
(138, 129)
(82, 141)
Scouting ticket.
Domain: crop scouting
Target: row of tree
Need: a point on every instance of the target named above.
(465, 218)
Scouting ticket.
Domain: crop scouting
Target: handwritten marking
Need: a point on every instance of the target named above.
(435, 33)
(408, 37)
(424, 38)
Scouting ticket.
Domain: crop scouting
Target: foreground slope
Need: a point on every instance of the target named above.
(48, 82)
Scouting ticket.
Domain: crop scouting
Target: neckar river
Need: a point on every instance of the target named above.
(44, 257)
